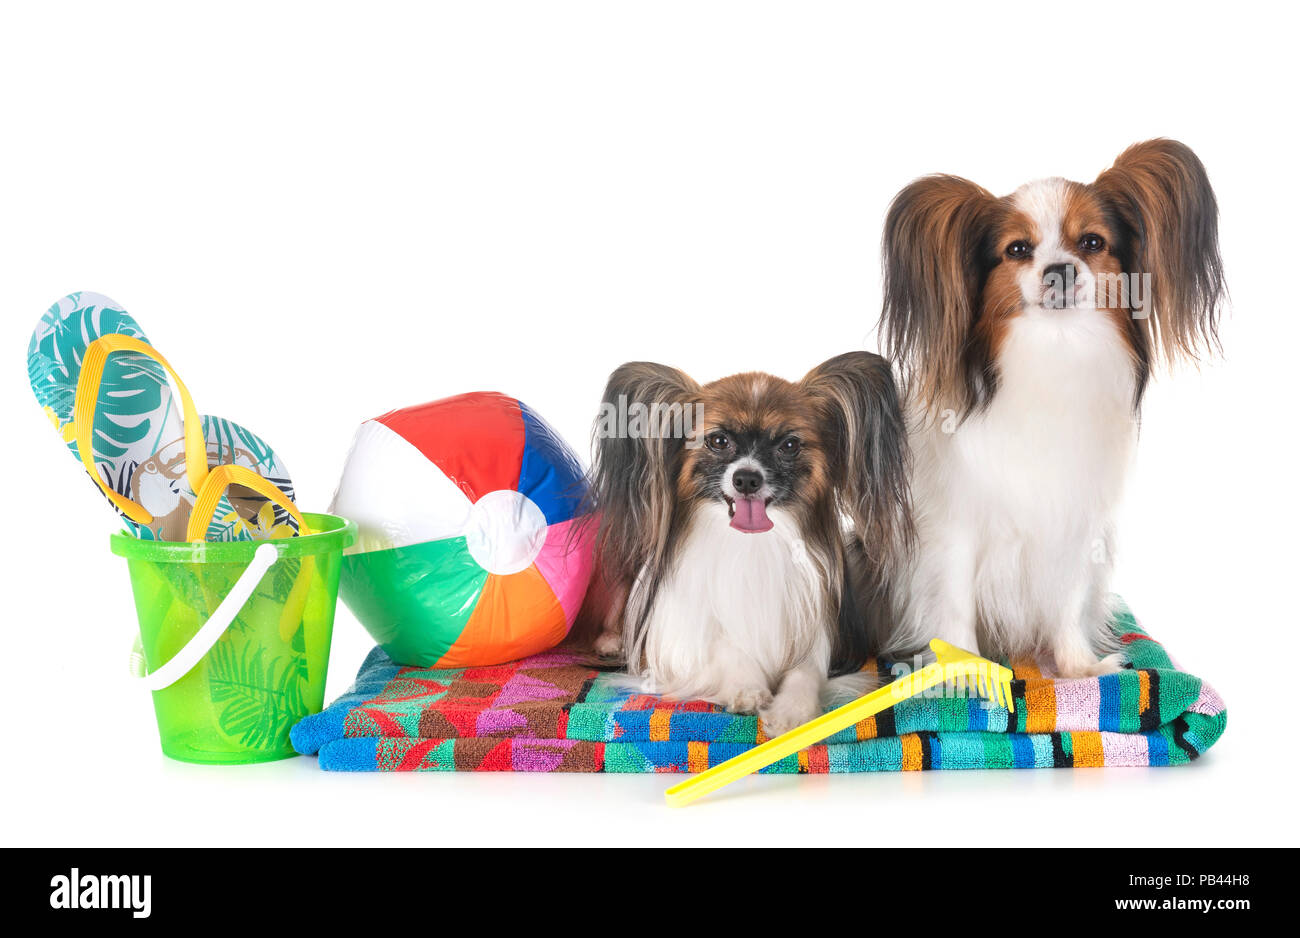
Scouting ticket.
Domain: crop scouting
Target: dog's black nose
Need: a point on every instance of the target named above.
(747, 481)
(1058, 286)
(1060, 276)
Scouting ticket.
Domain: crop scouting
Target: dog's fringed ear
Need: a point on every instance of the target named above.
(859, 403)
(1162, 196)
(932, 253)
(638, 441)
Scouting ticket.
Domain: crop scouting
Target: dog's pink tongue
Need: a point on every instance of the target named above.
(751, 516)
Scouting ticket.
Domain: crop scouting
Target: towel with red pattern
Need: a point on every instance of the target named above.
(554, 713)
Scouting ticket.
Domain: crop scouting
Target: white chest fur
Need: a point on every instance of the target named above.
(737, 610)
(1015, 504)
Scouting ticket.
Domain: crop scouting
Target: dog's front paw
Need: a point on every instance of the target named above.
(748, 700)
(609, 644)
(786, 712)
(1111, 664)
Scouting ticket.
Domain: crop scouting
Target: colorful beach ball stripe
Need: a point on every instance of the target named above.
(471, 549)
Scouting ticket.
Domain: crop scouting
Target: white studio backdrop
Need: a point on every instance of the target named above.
(320, 212)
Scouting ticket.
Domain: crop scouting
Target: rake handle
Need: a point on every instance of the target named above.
(801, 737)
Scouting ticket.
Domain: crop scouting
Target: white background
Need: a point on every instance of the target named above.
(321, 212)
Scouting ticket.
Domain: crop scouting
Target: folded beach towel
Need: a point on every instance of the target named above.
(553, 713)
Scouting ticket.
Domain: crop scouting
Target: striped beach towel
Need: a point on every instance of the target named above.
(553, 713)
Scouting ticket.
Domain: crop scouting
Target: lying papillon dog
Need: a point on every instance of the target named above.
(726, 569)
(1027, 327)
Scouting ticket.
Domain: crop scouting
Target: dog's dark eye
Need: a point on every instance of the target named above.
(789, 446)
(1019, 250)
(1091, 243)
(718, 442)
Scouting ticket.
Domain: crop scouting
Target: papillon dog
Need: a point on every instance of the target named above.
(1026, 328)
(744, 563)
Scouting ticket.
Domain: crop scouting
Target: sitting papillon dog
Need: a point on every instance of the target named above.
(1026, 327)
(727, 571)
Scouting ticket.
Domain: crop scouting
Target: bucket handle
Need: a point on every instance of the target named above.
(193, 651)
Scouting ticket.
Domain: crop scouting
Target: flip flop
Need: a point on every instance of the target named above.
(138, 435)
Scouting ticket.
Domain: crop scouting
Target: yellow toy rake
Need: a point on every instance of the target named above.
(952, 665)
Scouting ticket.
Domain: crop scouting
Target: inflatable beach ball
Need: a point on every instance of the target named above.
(470, 547)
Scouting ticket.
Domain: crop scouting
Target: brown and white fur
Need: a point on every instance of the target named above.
(726, 570)
(1023, 399)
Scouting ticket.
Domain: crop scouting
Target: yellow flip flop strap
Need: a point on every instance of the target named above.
(83, 419)
(221, 478)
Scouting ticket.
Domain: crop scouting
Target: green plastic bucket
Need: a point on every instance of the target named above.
(236, 637)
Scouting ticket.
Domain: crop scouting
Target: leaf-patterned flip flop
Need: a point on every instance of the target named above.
(138, 435)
